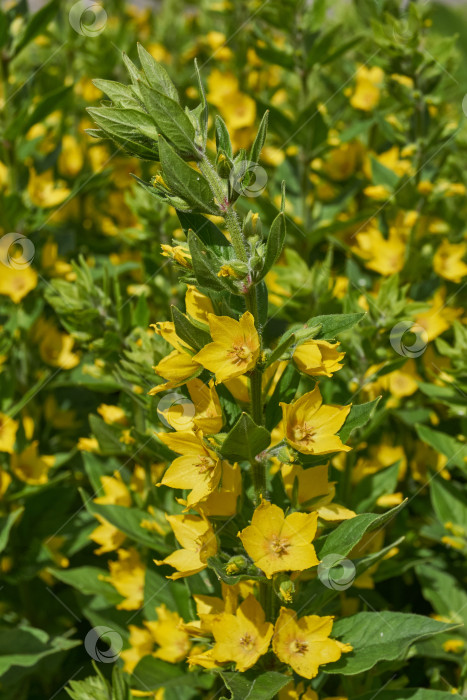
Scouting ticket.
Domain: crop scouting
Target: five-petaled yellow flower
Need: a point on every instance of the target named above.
(311, 427)
(235, 349)
(278, 543)
(198, 468)
(304, 644)
(242, 637)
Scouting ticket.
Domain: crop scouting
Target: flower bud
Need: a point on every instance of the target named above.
(252, 226)
(284, 587)
(235, 565)
(223, 166)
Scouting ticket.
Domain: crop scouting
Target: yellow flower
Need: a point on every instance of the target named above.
(304, 644)
(319, 358)
(42, 192)
(16, 284)
(314, 491)
(141, 644)
(198, 542)
(55, 347)
(5, 481)
(202, 412)
(367, 88)
(174, 643)
(107, 536)
(198, 305)
(278, 543)
(448, 263)
(383, 255)
(112, 414)
(439, 316)
(310, 426)
(343, 161)
(222, 502)
(297, 692)
(8, 428)
(70, 160)
(453, 645)
(115, 491)
(242, 637)
(198, 469)
(31, 467)
(127, 576)
(378, 192)
(235, 349)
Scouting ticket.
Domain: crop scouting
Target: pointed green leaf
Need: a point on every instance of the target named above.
(380, 636)
(333, 324)
(258, 143)
(275, 243)
(204, 264)
(188, 331)
(156, 74)
(253, 686)
(445, 444)
(171, 121)
(185, 182)
(246, 440)
(358, 416)
(223, 142)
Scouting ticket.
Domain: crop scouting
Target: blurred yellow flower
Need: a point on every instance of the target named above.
(16, 284)
(448, 261)
(31, 467)
(366, 95)
(8, 428)
(127, 577)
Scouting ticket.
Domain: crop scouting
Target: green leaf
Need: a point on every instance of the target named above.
(108, 436)
(223, 143)
(245, 440)
(184, 181)
(349, 533)
(6, 524)
(171, 121)
(333, 324)
(205, 264)
(130, 128)
(156, 74)
(380, 636)
(449, 502)
(252, 686)
(274, 244)
(409, 693)
(128, 521)
(151, 674)
(284, 343)
(88, 580)
(204, 228)
(382, 175)
(370, 488)
(37, 23)
(188, 331)
(204, 116)
(455, 451)
(444, 592)
(358, 416)
(26, 646)
(120, 94)
(258, 143)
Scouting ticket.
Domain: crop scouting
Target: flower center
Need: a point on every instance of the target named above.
(298, 647)
(205, 464)
(247, 641)
(279, 546)
(303, 433)
(240, 352)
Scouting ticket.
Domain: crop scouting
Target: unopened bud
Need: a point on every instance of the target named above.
(285, 588)
(252, 226)
(223, 166)
(235, 565)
